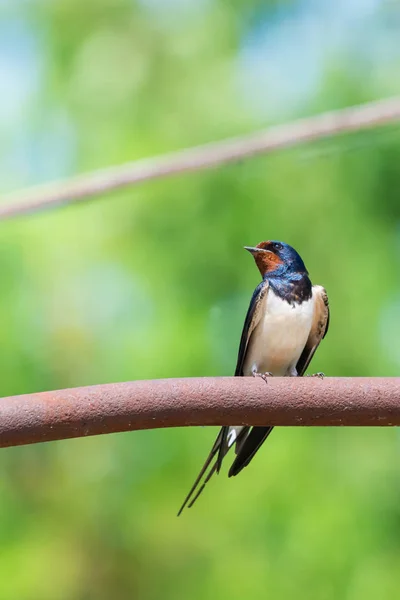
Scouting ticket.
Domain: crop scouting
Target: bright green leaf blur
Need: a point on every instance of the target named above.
(153, 282)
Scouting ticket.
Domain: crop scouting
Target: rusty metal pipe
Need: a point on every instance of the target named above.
(111, 408)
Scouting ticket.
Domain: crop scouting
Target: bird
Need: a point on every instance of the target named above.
(286, 320)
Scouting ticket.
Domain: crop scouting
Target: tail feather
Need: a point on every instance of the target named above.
(248, 449)
(203, 470)
(226, 437)
(223, 448)
(203, 485)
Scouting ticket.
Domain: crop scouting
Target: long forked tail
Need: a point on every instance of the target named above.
(226, 437)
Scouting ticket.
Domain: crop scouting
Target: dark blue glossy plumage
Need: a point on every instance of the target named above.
(284, 270)
(291, 260)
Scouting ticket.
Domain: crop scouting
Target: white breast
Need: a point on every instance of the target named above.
(279, 338)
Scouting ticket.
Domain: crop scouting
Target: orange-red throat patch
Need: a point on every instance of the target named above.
(267, 261)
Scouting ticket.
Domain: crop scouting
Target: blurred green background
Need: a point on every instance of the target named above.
(153, 282)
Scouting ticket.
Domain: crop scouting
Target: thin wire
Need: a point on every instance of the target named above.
(358, 142)
(86, 186)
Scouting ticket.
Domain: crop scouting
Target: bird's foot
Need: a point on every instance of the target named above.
(319, 375)
(264, 376)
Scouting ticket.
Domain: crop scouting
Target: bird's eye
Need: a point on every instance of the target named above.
(277, 246)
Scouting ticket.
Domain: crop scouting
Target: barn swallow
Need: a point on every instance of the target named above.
(285, 322)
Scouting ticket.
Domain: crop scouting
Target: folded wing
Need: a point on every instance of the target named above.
(229, 435)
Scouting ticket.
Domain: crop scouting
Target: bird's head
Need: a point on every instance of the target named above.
(276, 257)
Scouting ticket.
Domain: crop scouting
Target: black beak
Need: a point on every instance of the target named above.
(254, 250)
